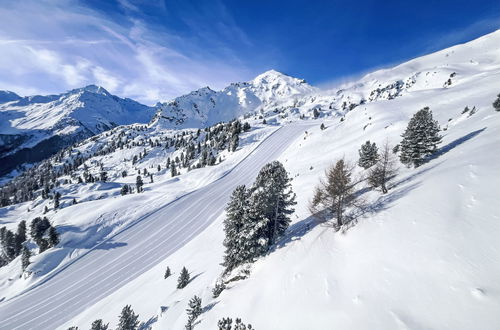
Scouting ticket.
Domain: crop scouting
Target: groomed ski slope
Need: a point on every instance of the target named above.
(137, 248)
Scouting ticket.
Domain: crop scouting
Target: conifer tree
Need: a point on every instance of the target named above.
(139, 183)
(124, 191)
(336, 193)
(128, 319)
(496, 103)
(9, 245)
(99, 325)
(233, 227)
(167, 273)
(183, 279)
(420, 138)
(25, 258)
(383, 171)
(278, 198)
(368, 155)
(56, 200)
(173, 169)
(193, 311)
(20, 236)
(53, 239)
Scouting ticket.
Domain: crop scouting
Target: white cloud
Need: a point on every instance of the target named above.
(54, 45)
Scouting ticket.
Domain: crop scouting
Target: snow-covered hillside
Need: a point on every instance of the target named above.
(424, 256)
(42, 125)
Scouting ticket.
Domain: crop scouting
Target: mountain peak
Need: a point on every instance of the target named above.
(271, 74)
(91, 89)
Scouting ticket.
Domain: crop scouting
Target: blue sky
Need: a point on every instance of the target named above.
(156, 50)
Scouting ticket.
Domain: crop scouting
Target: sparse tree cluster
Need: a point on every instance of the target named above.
(192, 149)
(227, 324)
(12, 245)
(43, 233)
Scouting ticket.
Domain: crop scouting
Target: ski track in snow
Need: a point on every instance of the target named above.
(101, 271)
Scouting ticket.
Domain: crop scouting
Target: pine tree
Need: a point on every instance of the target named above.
(420, 138)
(218, 288)
(235, 141)
(128, 319)
(173, 170)
(193, 311)
(383, 171)
(56, 200)
(53, 239)
(74, 201)
(167, 273)
(226, 323)
(20, 236)
(322, 127)
(183, 279)
(496, 103)
(139, 183)
(25, 258)
(99, 325)
(124, 191)
(104, 176)
(278, 198)
(46, 209)
(233, 227)
(9, 245)
(368, 155)
(336, 193)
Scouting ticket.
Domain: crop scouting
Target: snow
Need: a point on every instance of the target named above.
(425, 256)
(90, 109)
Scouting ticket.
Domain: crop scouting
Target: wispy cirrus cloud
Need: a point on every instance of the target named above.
(50, 46)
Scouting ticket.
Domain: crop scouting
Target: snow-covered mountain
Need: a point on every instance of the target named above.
(206, 106)
(424, 255)
(34, 127)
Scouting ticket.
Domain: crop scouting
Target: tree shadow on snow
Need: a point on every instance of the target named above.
(296, 231)
(209, 307)
(455, 143)
(149, 323)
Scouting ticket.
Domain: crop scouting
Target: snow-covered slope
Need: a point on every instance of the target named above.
(424, 256)
(206, 106)
(41, 125)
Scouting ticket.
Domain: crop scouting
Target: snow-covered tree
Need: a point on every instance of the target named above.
(53, 238)
(420, 138)
(218, 288)
(233, 226)
(99, 325)
(183, 279)
(128, 319)
(257, 217)
(173, 170)
(384, 170)
(25, 257)
(368, 155)
(57, 196)
(193, 311)
(124, 190)
(274, 184)
(20, 236)
(139, 183)
(336, 193)
(226, 323)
